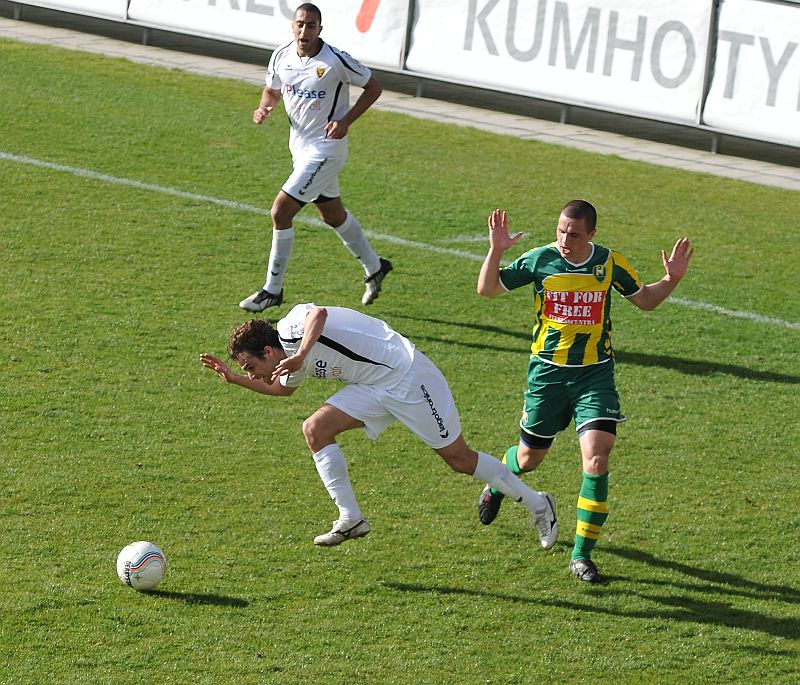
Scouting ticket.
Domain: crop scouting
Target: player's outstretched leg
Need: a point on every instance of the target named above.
(490, 499)
(484, 467)
(542, 505)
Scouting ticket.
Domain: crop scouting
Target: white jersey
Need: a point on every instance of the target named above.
(353, 348)
(315, 90)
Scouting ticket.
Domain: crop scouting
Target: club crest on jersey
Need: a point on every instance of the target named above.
(320, 72)
(600, 272)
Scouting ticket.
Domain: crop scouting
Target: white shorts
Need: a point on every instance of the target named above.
(422, 401)
(313, 177)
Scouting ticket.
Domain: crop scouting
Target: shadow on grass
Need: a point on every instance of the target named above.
(197, 598)
(698, 367)
(719, 582)
(690, 367)
(673, 608)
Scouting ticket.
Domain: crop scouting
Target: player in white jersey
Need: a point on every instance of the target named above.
(313, 80)
(386, 379)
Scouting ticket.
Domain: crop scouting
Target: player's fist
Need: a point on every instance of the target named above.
(261, 113)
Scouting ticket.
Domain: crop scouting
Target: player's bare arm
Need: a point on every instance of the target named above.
(500, 240)
(269, 98)
(675, 266)
(312, 329)
(338, 129)
(225, 373)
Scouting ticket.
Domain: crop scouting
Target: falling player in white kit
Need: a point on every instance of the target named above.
(313, 79)
(386, 379)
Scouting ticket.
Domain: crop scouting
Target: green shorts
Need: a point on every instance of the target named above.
(558, 394)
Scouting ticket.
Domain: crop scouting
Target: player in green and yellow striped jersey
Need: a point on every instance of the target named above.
(571, 369)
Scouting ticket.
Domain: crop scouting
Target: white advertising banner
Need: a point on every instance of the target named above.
(755, 91)
(112, 9)
(372, 31)
(634, 56)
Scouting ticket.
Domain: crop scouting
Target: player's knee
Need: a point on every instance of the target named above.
(531, 463)
(312, 431)
(532, 449)
(529, 458)
(595, 464)
(283, 210)
(280, 217)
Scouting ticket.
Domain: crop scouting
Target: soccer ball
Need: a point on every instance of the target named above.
(141, 565)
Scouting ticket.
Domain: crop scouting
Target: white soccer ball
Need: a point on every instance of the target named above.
(141, 565)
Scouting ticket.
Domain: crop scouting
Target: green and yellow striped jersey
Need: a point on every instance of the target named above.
(572, 302)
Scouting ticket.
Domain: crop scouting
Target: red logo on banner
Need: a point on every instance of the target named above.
(366, 14)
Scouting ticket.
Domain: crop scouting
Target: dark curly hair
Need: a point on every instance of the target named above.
(252, 337)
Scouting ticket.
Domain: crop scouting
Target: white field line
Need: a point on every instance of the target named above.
(732, 312)
(165, 190)
(465, 239)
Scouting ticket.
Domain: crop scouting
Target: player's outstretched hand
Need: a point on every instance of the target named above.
(287, 366)
(499, 237)
(218, 366)
(678, 263)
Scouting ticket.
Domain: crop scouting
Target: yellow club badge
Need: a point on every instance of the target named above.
(600, 272)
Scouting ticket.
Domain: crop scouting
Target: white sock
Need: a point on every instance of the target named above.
(352, 235)
(492, 471)
(332, 468)
(279, 253)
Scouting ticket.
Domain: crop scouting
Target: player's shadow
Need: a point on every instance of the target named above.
(201, 599)
(523, 336)
(672, 607)
(690, 367)
(715, 582)
(701, 367)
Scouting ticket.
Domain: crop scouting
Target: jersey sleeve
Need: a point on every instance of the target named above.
(294, 380)
(624, 277)
(520, 272)
(291, 327)
(272, 80)
(290, 331)
(352, 70)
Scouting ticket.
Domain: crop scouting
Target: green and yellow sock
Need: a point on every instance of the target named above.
(510, 460)
(592, 514)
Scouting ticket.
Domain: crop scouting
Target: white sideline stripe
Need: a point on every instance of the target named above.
(88, 173)
(311, 221)
(165, 190)
(752, 316)
(465, 239)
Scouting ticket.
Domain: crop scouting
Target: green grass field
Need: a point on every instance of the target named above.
(113, 432)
